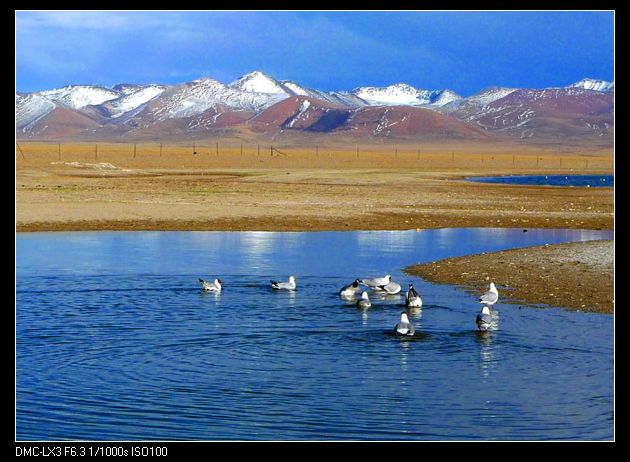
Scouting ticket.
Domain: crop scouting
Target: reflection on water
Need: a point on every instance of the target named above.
(115, 340)
(486, 352)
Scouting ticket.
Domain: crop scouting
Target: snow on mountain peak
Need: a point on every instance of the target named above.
(404, 94)
(133, 98)
(78, 96)
(258, 82)
(488, 95)
(594, 84)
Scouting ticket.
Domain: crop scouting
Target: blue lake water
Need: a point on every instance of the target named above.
(597, 181)
(116, 341)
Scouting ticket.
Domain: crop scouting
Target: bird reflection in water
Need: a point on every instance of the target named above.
(485, 341)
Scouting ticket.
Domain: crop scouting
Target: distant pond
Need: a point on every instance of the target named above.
(593, 181)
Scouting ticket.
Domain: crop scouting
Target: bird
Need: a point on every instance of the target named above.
(391, 288)
(491, 296)
(376, 282)
(412, 298)
(350, 290)
(484, 319)
(364, 301)
(404, 327)
(211, 286)
(284, 285)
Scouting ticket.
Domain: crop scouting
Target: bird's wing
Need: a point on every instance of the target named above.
(489, 297)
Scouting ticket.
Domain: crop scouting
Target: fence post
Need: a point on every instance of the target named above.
(134, 150)
(316, 151)
(160, 149)
(357, 150)
(259, 149)
(20, 149)
(217, 148)
(241, 149)
(96, 151)
(59, 148)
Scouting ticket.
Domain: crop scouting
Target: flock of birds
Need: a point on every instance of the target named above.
(384, 285)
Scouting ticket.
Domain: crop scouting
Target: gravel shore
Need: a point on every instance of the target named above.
(577, 275)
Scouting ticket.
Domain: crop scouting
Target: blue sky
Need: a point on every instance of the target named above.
(463, 51)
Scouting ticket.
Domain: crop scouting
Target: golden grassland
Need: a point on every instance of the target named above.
(73, 186)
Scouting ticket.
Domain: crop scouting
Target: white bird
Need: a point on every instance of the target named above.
(412, 298)
(490, 297)
(484, 319)
(350, 290)
(405, 327)
(211, 286)
(391, 288)
(284, 285)
(376, 282)
(364, 301)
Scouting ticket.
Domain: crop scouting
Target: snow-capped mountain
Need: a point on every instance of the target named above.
(558, 113)
(595, 85)
(489, 95)
(405, 95)
(132, 98)
(195, 97)
(258, 82)
(29, 108)
(258, 103)
(78, 96)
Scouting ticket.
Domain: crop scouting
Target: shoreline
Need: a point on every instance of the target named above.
(577, 276)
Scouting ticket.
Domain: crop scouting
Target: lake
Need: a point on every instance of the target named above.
(115, 340)
(596, 181)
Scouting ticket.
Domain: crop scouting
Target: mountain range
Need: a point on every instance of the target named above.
(257, 105)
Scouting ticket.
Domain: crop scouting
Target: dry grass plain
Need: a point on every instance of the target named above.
(108, 186)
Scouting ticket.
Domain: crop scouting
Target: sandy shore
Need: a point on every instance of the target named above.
(578, 275)
(297, 192)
